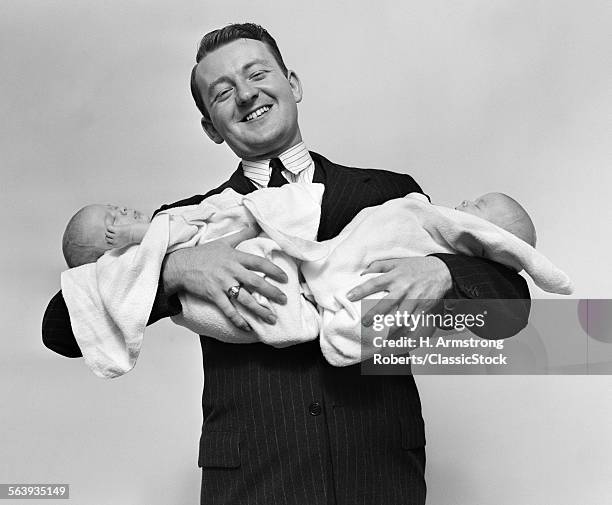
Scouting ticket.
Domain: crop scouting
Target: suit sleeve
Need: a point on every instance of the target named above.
(482, 286)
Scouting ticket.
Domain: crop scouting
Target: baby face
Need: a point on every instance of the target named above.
(97, 218)
(504, 212)
(104, 215)
(493, 207)
(125, 215)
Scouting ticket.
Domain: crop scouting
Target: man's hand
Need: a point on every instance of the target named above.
(207, 271)
(413, 285)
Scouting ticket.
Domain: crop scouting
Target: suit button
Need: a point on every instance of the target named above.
(315, 409)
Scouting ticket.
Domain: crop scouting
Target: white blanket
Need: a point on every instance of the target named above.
(110, 301)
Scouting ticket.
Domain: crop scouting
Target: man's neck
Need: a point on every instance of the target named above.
(275, 154)
(278, 152)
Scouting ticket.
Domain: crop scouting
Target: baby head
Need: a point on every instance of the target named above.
(504, 212)
(84, 239)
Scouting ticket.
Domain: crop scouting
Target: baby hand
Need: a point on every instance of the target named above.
(118, 235)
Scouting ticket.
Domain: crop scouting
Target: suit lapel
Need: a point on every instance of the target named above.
(346, 192)
(240, 182)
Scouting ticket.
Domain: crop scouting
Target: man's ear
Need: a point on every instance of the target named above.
(296, 85)
(211, 131)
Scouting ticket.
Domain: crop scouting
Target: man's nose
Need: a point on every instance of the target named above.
(245, 93)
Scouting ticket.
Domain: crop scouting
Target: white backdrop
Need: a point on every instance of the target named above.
(468, 97)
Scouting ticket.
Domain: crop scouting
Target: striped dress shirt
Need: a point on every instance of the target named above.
(298, 163)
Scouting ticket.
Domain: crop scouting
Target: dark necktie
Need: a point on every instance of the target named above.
(276, 177)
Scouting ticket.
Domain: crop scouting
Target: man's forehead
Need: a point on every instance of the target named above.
(232, 58)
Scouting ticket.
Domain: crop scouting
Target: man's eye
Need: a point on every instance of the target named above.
(223, 94)
(258, 76)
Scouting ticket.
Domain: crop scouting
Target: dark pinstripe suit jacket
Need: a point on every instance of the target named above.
(281, 426)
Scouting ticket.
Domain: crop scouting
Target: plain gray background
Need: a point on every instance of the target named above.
(466, 96)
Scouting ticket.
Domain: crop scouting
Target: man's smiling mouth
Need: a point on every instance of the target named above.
(257, 113)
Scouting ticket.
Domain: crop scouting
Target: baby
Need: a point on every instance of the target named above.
(95, 229)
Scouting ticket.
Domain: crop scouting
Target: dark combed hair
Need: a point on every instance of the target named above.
(218, 38)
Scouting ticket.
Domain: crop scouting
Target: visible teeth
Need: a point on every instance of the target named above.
(257, 113)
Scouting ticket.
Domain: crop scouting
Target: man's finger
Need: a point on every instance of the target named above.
(369, 287)
(384, 306)
(225, 306)
(249, 303)
(379, 266)
(259, 264)
(255, 282)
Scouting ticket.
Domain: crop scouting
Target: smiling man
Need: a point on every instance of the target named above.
(249, 100)
(281, 426)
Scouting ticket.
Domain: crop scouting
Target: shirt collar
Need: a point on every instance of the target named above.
(295, 159)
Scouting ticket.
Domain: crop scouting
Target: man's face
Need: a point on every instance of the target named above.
(251, 103)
